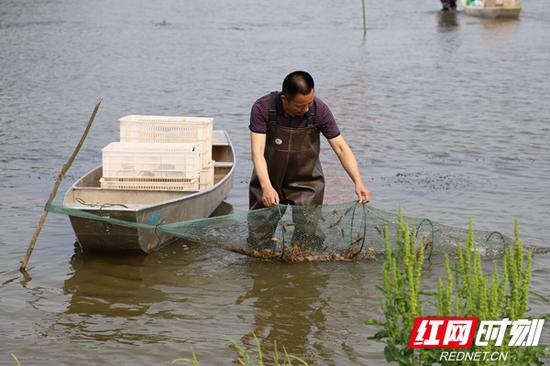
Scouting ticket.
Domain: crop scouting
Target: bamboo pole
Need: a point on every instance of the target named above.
(53, 193)
(364, 18)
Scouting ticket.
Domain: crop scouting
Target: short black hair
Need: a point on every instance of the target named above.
(297, 82)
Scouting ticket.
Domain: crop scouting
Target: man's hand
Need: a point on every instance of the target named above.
(270, 197)
(362, 192)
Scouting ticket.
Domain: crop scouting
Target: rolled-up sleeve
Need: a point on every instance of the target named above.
(325, 121)
(258, 119)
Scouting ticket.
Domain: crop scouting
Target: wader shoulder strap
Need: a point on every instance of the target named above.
(312, 112)
(272, 112)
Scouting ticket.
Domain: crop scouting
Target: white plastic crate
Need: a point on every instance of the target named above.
(166, 129)
(206, 178)
(150, 184)
(142, 160)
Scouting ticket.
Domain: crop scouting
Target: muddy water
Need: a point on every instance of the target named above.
(448, 116)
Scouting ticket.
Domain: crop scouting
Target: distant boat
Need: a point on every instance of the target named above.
(492, 8)
(145, 206)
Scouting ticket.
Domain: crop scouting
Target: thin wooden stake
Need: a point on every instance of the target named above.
(64, 169)
(364, 19)
(15, 358)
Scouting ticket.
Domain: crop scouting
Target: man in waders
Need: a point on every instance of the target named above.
(285, 129)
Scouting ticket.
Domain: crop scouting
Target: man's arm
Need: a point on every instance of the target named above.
(349, 163)
(257, 143)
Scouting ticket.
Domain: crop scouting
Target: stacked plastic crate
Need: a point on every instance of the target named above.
(160, 153)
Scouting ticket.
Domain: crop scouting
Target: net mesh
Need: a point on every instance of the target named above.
(347, 231)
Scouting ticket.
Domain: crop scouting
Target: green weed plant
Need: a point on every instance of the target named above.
(465, 292)
(247, 358)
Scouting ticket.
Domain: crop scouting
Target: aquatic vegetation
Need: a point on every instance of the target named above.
(465, 292)
(402, 272)
(193, 360)
(246, 358)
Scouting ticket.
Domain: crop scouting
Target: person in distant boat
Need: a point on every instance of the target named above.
(285, 130)
(448, 5)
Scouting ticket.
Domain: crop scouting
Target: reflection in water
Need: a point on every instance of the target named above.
(447, 20)
(449, 37)
(287, 305)
(500, 23)
(500, 32)
(109, 285)
(124, 284)
(109, 294)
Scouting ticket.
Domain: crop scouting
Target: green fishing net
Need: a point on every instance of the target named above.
(347, 231)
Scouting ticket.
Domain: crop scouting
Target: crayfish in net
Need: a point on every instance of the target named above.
(296, 254)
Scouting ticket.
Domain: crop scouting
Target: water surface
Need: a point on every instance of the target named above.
(448, 117)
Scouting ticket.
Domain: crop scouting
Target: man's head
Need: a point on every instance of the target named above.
(298, 93)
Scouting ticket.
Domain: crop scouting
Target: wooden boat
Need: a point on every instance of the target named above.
(494, 9)
(147, 207)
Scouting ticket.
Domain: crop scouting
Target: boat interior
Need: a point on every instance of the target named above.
(87, 193)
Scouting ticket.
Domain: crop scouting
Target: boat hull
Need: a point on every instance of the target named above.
(494, 9)
(493, 12)
(98, 235)
(168, 207)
